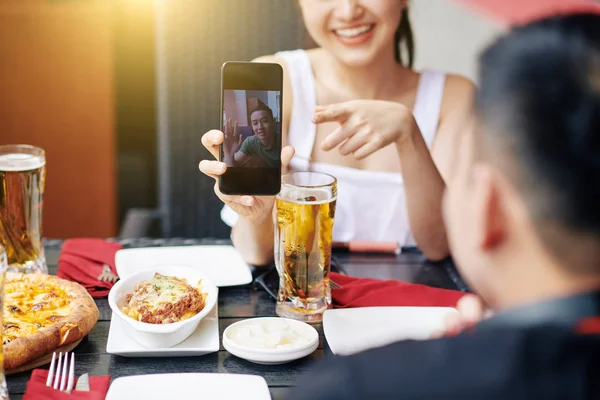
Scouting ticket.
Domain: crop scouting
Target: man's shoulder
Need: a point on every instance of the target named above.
(505, 363)
(491, 364)
(252, 140)
(249, 144)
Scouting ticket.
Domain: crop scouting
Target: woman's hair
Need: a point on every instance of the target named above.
(404, 40)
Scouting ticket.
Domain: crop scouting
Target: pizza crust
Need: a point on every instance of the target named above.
(80, 321)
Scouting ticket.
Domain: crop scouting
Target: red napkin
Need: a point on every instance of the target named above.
(83, 260)
(37, 389)
(365, 292)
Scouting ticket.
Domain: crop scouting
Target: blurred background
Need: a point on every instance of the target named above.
(119, 92)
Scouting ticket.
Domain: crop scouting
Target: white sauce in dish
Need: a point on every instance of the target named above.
(270, 334)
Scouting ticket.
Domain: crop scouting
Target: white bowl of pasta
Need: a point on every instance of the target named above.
(163, 306)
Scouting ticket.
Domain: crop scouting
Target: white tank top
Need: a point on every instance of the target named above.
(371, 206)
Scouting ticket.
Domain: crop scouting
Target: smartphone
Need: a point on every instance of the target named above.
(251, 119)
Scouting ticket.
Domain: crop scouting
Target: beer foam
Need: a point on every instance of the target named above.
(20, 162)
(298, 195)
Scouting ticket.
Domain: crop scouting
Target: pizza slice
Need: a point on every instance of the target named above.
(41, 313)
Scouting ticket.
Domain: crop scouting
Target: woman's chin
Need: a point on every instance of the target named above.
(355, 59)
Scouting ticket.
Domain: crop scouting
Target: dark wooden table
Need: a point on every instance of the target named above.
(235, 303)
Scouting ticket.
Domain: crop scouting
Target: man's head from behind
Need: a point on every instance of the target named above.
(263, 124)
(523, 205)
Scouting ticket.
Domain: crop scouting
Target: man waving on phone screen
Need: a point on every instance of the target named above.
(260, 149)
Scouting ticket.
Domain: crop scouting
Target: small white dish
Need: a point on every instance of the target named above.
(204, 340)
(190, 386)
(223, 265)
(351, 330)
(161, 335)
(271, 356)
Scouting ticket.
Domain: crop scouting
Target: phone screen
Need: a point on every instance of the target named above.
(251, 120)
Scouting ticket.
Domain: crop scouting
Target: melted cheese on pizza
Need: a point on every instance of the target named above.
(163, 300)
(29, 307)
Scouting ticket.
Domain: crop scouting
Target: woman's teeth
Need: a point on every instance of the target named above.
(353, 32)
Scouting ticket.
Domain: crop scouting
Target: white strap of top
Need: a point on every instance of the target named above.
(428, 103)
(301, 132)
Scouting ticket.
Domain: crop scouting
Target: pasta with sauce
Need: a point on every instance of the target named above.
(164, 300)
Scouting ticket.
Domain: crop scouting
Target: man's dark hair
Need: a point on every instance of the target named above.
(539, 105)
(262, 107)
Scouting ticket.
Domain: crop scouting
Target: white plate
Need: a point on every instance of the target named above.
(223, 265)
(189, 387)
(204, 340)
(272, 356)
(351, 330)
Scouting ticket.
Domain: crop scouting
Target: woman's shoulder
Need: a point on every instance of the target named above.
(449, 88)
(283, 57)
(287, 60)
(286, 57)
(455, 115)
(458, 94)
(454, 84)
(458, 85)
(271, 58)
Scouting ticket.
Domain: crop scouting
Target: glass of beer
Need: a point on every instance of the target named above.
(3, 267)
(305, 211)
(22, 178)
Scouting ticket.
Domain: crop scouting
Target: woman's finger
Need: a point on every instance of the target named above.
(212, 140)
(237, 203)
(331, 113)
(366, 150)
(336, 137)
(214, 169)
(353, 143)
(287, 153)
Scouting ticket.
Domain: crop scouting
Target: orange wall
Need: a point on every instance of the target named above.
(57, 92)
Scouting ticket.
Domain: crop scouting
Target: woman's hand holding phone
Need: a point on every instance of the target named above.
(251, 207)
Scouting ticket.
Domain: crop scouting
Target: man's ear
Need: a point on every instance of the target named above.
(490, 218)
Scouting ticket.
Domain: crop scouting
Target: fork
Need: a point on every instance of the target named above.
(334, 285)
(107, 275)
(61, 376)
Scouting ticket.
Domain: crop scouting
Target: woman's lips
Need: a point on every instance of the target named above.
(355, 35)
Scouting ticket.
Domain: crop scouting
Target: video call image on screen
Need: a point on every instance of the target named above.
(252, 128)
